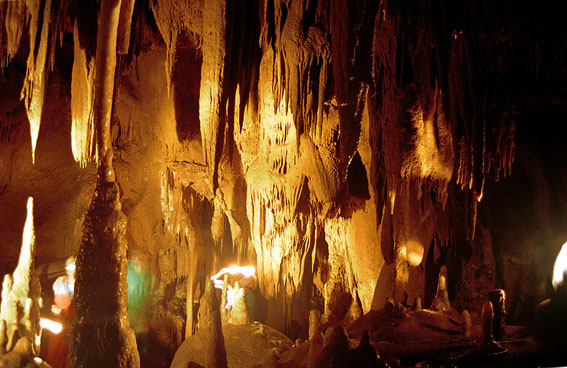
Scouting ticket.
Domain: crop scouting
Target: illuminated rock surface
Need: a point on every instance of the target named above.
(246, 346)
(207, 348)
(19, 311)
(346, 149)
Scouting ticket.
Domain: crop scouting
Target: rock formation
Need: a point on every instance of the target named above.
(20, 332)
(347, 149)
(207, 347)
(441, 300)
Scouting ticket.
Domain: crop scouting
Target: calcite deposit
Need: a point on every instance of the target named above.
(351, 151)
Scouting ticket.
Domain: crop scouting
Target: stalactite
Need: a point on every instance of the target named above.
(14, 15)
(104, 83)
(125, 25)
(174, 17)
(301, 68)
(56, 29)
(34, 83)
(213, 98)
(82, 123)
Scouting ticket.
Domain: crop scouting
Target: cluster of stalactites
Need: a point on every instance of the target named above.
(44, 21)
(302, 58)
(44, 24)
(438, 121)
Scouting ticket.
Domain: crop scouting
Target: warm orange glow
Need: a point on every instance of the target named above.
(82, 123)
(560, 267)
(34, 83)
(414, 253)
(28, 236)
(34, 129)
(246, 271)
(50, 325)
(411, 251)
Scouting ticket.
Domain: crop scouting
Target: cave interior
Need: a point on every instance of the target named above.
(387, 174)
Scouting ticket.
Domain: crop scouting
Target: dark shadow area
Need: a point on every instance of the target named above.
(384, 286)
(357, 178)
(185, 85)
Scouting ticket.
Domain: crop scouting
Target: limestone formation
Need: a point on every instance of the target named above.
(20, 332)
(364, 355)
(207, 347)
(225, 312)
(101, 334)
(417, 304)
(239, 314)
(334, 350)
(498, 299)
(314, 323)
(487, 318)
(354, 312)
(466, 324)
(441, 300)
(210, 325)
(342, 147)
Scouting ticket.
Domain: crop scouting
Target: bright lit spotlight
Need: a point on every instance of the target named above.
(560, 267)
(230, 294)
(245, 271)
(52, 326)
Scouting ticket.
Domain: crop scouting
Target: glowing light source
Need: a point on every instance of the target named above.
(560, 267)
(245, 271)
(50, 325)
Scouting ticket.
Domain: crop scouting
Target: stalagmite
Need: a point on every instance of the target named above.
(314, 323)
(467, 323)
(225, 312)
(101, 334)
(354, 311)
(207, 347)
(441, 300)
(498, 300)
(214, 351)
(3, 337)
(21, 292)
(239, 315)
(365, 355)
(417, 304)
(487, 318)
(334, 351)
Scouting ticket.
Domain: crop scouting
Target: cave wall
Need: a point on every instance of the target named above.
(346, 149)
